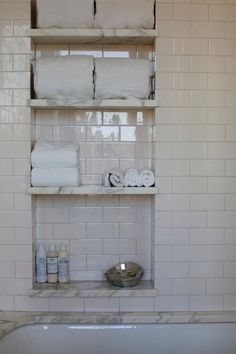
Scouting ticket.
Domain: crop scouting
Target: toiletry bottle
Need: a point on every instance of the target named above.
(52, 266)
(41, 262)
(63, 264)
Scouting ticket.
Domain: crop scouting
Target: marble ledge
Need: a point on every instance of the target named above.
(93, 36)
(92, 289)
(12, 320)
(93, 104)
(93, 190)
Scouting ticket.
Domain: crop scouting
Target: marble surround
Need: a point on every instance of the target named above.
(12, 320)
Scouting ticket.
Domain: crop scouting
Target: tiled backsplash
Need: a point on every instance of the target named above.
(195, 242)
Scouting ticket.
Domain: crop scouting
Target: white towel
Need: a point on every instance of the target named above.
(124, 14)
(55, 177)
(68, 77)
(114, 178)
(45, 155)
(132, 178)
(65, 14)
(122, 78)
(147, 178)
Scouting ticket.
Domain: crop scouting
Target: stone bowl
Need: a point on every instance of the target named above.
(125, 274)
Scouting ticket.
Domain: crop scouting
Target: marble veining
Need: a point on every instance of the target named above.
(11, 320)
(92, 289)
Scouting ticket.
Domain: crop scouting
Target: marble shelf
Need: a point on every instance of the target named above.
(93, 104)
(92, 36)
(93, 190)
(92, 289)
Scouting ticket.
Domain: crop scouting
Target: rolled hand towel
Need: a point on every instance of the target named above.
(55, 177)
(132, 178)
(69, 77)
(124, 14)
(147, 178)
(65, 14)
(122, 78)
(114, 177)
(47, 155)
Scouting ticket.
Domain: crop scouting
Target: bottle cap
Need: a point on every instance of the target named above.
(52, 247)
(41, 247)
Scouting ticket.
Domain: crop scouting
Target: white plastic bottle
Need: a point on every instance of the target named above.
(52, 266)
(63, 264)
(41, 264)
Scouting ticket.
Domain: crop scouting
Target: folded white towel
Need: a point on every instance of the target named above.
(132, 178)
(65, 14)
(122, 78)
(68, 76)
(55, 177)
(124, 14)
(47, 155)
(114, 177)
(147, 178)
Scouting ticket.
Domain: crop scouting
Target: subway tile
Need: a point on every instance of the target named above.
(221, 286)
(206, 303)
(21, 167)
(208, 64)
(231, 133)
(24, 270)
(21, 62)
(189, 219)
(101, 262)
(185, 253)
(189, 150)
(137, 304)
(164, 219)
(23, 236)
(217, 253)
(194, 81)
(173, 167)
(164, 286)
(172, 270)
(22, 202)
(189, 184)
(119, 246)
(207, 236)
(21, 27)
(200, 29)
(21, 132)
(6, 63)
(208, 133)
(221, 219)
(193, 46)
(118, 150)
(71, 304)
(102, 133)
(85, 247)
(13, 184)
(207, 202)
(6, 201)
(208, 98)
(173, 202)
(230, 236)
(77, 262)
(26, 303)
(222, 150)
(119, 214)
(14, 150)
(102, 200)
(20, 97)
(170, 98)
(173, 133)
(222, 47)
(230, 168)
(143, 247)
(206, 269)
(164, 11)
(188, 286)
(91, 275)
(6, 235)
(193, 115)
(15, 286)
(96, 166)
(229, 269)
(14, 11)
(190, 12)
(163, 253)
(163, 150)
(7, 303)
(164, 80)
(69, 231)
(172, 303)
(5, 98)
(222, 12)
(221, 81)
(53, 215)
(207, 167)
(102, 230)
(170, 28)
(229, 302)
(88, 214)
(61, 133)
(7, 270)
(224, 115)
(172, 236)
(102, 304)
(165, 184)
(230, 98)
(173, 63)
(6, 28)
(231, 64)
(230, 202)
(222, 184)
(230, 30)
(135, 230)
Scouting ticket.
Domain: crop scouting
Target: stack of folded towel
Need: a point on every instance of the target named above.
(55, 165)
(132, 178)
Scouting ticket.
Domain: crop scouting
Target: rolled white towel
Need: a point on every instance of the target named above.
(147, 178)
(122, 78)
(65, 14)
(69, 77)
(45, 155)
(132, 178)
(124, 14)
(114, 178)
(55, 177)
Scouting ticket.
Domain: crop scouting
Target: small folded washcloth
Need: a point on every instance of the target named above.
(54, 177)
(114, 178)
(132, 178)
(147, 178)
(45, 155)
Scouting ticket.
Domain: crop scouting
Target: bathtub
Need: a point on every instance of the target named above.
(212, 338)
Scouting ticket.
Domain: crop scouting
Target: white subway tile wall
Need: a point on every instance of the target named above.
(195, 236)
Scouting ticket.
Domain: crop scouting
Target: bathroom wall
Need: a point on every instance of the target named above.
(195, 242)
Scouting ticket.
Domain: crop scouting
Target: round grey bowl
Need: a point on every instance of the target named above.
(125, 274)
